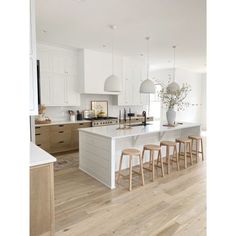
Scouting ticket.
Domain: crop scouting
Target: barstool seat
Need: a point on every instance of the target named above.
(168, 143)
(152, 148)
(131, 152)
(195, 137)
(183, 140)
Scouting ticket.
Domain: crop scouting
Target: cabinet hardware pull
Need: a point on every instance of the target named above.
(37, 134)
(39, 145)
(37, 127)
(61, 125)
(61, 131)
(61, 142)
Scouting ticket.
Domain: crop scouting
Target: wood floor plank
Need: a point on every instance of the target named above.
(173, 205)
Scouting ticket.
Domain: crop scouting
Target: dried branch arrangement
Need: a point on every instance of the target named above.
(176, 99)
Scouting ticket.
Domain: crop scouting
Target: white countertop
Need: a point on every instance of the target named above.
(64, 122)
(155, 127)
(39, 157)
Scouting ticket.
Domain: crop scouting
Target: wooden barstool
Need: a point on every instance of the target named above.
(187, 144)
(174, 158)
(199, 142)
(130, 152)
(152, 148)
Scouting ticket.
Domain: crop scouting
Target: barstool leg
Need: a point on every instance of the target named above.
(179, 150)
(177, 158)
(202, 149)
(130, 173)
(153, 164)
(161, 161)
(150, 159)
(141, 169)
(118, 178)
(197, 150)
(185, 157)
(168, 160)
(143, 153)
(190, 151)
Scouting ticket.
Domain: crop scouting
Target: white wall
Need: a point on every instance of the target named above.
(192, 113)
(204, 108)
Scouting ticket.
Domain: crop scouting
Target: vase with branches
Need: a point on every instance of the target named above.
(172, 100)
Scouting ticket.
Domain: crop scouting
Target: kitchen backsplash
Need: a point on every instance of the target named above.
(61, 113)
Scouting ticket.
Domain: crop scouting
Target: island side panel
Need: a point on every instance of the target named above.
(95, 157)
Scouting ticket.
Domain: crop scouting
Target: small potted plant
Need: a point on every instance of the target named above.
(172, 100)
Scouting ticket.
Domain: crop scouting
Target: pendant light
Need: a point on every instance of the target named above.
(147, 86)
(173, 87)
(112, 83)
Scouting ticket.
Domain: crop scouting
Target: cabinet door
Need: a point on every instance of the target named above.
(97, 67)
(73, 96)
(45, 87)
(58, 90)
(58, 62)
(41, 200)
(33, 87)
(33, 98)
(71, 64)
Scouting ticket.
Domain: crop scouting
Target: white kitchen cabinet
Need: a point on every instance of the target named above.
(33, 99)
(94, 68)
(58, 76)
(133, 75)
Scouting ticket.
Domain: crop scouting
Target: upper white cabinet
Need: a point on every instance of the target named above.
(59, 77)
(94, 68)
(33, 99)
(133, 75)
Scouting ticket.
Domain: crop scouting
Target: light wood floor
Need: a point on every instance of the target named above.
(173, 205)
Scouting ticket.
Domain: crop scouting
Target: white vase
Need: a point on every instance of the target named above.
(171, 115)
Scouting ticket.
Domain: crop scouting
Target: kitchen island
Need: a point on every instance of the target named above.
(100, 147)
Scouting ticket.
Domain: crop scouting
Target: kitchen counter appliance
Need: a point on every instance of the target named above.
(103, 121)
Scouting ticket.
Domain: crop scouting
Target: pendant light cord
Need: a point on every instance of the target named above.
(112, 27)
(112, 50)
(174, 64)
(147, 38)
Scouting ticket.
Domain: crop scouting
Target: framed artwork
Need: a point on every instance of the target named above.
(100, 108)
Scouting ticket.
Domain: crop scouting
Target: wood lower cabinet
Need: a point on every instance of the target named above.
(59, 138)
(42, 137)
(42, 200)
(75, 133)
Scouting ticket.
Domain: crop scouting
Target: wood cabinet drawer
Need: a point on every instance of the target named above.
(60, 140)
(44, 145)
(84, 125)
(62, 135)
(62, 127)
(137, 120)
(42, 130)
(39, 138)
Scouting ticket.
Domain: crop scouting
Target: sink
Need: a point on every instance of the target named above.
(140, 124)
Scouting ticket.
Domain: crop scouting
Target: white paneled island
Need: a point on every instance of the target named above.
(100, 147)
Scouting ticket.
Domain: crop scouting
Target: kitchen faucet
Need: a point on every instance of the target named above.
(145, 118)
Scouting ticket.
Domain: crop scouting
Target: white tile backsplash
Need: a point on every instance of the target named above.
(61, 113)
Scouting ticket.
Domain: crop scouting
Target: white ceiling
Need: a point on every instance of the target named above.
(84, 24)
